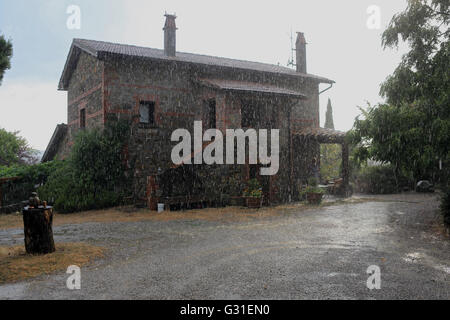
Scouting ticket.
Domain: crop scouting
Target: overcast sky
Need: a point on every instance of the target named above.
(341, 46)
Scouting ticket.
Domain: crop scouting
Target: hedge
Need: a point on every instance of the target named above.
(30, 177)
(94, 176)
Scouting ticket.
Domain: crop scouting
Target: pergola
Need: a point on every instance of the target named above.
(329, 136)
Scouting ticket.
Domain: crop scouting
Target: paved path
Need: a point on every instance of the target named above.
(314, 254)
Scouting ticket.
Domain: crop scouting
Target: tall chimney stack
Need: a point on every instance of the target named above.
(300, 49)
(170, 39)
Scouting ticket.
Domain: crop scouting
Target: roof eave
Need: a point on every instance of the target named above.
(61, 129)
(215, 86)
(71, 58)
(77, 46)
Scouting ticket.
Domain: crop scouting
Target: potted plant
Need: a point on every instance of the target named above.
(312, 192)
(253, 194)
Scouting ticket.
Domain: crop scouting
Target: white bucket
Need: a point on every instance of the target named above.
(160, 207)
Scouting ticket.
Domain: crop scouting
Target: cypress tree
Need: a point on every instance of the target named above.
(329, 124)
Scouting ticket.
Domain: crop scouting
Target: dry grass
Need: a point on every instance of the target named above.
(131, 214)
(11, 221)
(17, 265)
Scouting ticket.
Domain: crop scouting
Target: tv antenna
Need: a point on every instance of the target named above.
(291, 61)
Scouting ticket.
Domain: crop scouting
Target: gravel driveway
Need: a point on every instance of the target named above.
(320, 253)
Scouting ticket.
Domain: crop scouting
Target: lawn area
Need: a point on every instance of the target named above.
(132, 214)
(17, 265)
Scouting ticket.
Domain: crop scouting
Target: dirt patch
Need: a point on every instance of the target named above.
(11, 221)
(440, 229)
(17, 265)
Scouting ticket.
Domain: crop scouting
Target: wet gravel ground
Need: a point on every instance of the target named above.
(320, 253)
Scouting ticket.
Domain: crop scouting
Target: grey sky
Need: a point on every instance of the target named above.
(340, 47)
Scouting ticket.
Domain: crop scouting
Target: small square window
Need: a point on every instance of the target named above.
(147, 112)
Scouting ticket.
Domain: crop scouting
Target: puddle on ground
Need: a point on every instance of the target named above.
(443, 268)
(413, 257)
(334, 274)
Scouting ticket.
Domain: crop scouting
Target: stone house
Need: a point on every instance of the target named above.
(159, 91)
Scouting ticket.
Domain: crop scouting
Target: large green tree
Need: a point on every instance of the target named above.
(14, 149)
(412, 129)
(6, 52)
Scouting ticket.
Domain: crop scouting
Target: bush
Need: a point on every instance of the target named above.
(313, 182)
(94, 176)
(379, 180)
(312, 187)
(445, 206)
(29, 178)
(253, 189)
(330, 161)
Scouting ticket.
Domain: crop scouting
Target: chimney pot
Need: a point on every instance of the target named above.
(170, 39)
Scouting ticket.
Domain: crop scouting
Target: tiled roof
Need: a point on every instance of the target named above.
(97, 48)
(57, 137)
(244, 86)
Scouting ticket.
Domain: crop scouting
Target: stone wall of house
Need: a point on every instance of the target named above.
(85, 91)
(129, 81)
(305, 150)
(64, 147)
(179, 100)
(112, 89)
(306, 112)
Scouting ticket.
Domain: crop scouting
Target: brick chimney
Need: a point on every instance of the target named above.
(170, 39)
(300, 49)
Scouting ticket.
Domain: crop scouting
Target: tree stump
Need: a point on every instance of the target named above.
(38, 230)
